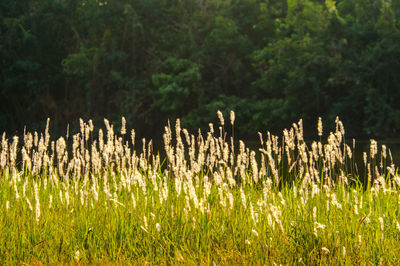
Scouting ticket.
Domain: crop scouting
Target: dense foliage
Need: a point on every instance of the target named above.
(149, 60)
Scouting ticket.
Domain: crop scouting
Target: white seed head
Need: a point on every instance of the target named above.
(220, 117)
(37, 205)
(77, 255)
(91, 127)
(373, 148)
(315, 213)
(325, 250)
(319, 126)
(232, 117)
(158, 227)
(50, 201)
(382, 223)
(123, 126)
(365, 158)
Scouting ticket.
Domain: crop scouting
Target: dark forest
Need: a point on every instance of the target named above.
(272, 62)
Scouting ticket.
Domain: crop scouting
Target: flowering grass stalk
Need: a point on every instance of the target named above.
(103, 200)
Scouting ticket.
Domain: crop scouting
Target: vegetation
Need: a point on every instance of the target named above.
(210, 201)
(273, 62)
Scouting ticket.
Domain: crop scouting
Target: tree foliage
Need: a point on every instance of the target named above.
(272, 62)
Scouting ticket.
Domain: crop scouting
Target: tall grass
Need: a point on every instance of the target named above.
(95, 197)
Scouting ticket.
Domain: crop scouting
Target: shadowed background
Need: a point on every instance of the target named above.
(273, 62)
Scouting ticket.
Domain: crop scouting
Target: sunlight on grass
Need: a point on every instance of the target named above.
(95, 197)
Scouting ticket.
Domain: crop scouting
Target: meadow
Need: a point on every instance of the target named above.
(104, 197)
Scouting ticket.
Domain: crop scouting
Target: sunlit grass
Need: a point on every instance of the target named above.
(207, 202)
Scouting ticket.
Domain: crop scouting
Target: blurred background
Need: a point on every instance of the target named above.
(272, 62)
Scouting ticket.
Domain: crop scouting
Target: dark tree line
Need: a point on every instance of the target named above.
(273, 62)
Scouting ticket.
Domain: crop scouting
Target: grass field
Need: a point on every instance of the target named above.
(96, 197)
